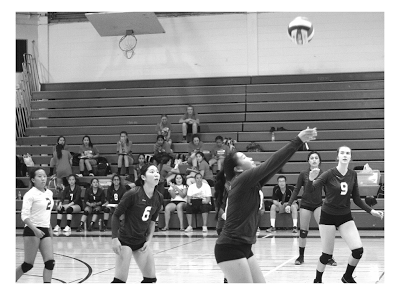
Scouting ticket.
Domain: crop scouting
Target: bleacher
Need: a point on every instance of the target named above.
(347, 109)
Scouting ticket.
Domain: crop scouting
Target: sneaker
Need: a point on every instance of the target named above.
(91, 174)
(156, 229)
(67, 228)
(258, 230)
(79, 229)
(299, 260)
(57, 228)
(205, 229)
(331, 262)
(90, 227)
(79, 175)
(164, 229)
(189, 229)
(348, 280)
(271, 229)
(281, 129)
(294, 230)
(316, 282)
(225, 281)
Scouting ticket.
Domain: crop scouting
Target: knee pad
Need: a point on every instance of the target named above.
(61, 210)
(26, 267)
(357, 253)
(303, 233)
(115, 280)
(86, 213)
(70, 210)
(324, 258)
(49, 264)
(149, 280)
(96, 211)
(107, 210)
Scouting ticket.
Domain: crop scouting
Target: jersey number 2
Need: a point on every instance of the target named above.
(48, 204)
(146, 213)
(343, 186)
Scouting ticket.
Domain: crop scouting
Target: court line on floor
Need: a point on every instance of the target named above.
(380, 277)
(279, 266)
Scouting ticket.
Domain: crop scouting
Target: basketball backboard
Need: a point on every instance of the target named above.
(118, 23)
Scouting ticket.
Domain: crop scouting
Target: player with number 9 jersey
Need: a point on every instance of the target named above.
(139, 211)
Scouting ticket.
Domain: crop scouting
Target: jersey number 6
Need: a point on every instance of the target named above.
(146, 213)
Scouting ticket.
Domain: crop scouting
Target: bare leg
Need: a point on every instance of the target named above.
(46, 249)
(31, 246)
(122, 263)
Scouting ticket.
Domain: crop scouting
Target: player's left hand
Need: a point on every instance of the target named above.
(308, 134)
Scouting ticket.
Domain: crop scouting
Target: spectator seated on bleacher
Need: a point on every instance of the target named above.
(88, 155)
(194, 146)
(198, 201)
(93, 201)
(114, 194)
(218, 153)
(70, 202)
(204, 169)
(164, 128)
(178, 191)
(162, 150)
(280, 197)
(124, 147)
(190, 123)
(137, 167)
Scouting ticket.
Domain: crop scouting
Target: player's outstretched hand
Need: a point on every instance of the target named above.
(377, 213)
(116, 246)
(308, 134)
(313, 174)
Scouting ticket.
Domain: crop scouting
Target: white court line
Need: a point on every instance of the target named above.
(279, 266)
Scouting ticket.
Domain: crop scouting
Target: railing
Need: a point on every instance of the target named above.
(29, 83)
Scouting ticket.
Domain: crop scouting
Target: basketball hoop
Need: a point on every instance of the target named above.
(128, 43)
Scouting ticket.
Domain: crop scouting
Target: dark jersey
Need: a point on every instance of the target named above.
(114, 196)
(74, 195)
(311, 199)
(277, 194)
(244, 199)
(139, 211)
(338, 191)
(221, 221)
(92, 197)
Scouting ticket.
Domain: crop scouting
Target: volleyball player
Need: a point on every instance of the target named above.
(310, 205)
(36, 213)
(114, 195)
(141, 206)
(233, 247)
(340, 185)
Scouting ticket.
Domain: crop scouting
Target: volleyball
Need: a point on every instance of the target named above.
(301, 30)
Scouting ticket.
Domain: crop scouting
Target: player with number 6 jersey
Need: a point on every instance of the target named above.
(140, 206)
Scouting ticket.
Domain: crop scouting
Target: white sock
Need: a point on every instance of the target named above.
(273, 222)
(294, 222)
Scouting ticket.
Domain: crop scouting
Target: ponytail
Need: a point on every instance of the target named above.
(59, 148)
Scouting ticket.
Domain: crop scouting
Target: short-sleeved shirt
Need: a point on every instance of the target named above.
(37, 206)
(218, 152)
(86, 151)
(139, 211)
(195, 148)
(114, 196)
(203, 166)
(177, 195)
(74, 195)
(277, 194)
(124, 148)
(199, 193)
(92, 197)
(310, 199)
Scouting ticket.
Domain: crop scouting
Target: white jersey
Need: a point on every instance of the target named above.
(37, 207)
(199, 193)
(177, 195)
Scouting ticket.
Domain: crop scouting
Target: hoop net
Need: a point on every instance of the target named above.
(127, 44)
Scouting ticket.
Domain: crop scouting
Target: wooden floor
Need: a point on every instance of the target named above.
(189, 258)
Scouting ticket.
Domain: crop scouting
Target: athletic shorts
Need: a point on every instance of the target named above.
(177, 202)
(134, 247)
(282, 208)
(29, 233)
(190, 128)
(227, 252)
(197, 207)
(336, 220)
(309, 208)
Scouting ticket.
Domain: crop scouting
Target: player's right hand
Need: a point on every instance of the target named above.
(308, 134)
(287, 209)
(38, 233)
(116, 246)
